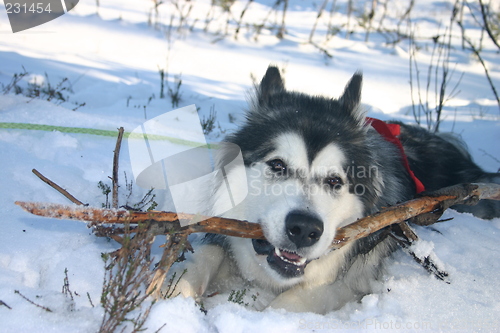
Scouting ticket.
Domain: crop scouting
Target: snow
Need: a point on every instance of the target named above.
(112, 61)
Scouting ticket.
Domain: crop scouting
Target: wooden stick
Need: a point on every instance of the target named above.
(58, 188)
(160, 223)
(427, 209)
(395, 214)
(116, 158)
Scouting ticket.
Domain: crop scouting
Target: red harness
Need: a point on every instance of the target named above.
(390, 132)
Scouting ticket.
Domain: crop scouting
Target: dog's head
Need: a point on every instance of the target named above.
(309, 171)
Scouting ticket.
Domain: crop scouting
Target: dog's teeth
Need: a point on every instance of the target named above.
(298, 262)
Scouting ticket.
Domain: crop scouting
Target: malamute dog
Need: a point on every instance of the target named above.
(315, 164)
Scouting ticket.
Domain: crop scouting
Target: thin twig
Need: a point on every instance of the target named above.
(486, 24)
(58, 188)
(30, 301)
(238, 27)
(5, 304)
(318, 16)
(370, 19)
(90, 299)
(116, 159)
(282, 30)
(486, 72)
(322, 49)
(161, 327)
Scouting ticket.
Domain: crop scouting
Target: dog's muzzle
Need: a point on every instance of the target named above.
(303, 230)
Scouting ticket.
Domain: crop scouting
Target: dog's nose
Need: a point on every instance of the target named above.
(303, 229)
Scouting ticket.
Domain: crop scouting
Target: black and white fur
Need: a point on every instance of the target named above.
(314, 165)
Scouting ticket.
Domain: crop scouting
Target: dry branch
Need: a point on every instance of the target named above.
(31, 302)
(160, 223)
(57, 188)
(116, 158)
(175, 245)
(406, 238)
(486, 25)
(5, 304)
(424, 210)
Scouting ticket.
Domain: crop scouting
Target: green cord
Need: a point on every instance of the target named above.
(93, 131)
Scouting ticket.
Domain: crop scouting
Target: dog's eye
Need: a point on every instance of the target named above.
(334, 182)
(278, 166)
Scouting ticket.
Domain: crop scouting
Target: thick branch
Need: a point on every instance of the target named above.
(160, 223)
(424, 211)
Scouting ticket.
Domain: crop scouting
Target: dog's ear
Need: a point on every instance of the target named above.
(352, 96)
(271, 84)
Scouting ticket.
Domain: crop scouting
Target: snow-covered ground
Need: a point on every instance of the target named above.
(112, 63)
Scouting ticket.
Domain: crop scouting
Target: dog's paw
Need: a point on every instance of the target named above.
(289, 303)
(318, 299)
(182, 287)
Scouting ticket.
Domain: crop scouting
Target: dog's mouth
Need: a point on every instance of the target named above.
(287, 263)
